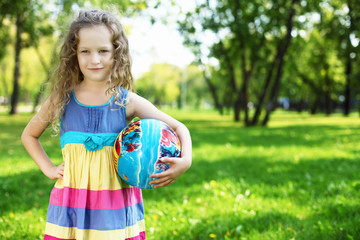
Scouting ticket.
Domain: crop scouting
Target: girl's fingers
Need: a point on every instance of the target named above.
(164, 184)
(159, 175)
(159, 180)
(60, 170)
(167, 160)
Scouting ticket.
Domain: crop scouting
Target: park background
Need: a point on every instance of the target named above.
(270, 91)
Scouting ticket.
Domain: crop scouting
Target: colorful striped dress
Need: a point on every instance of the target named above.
(92, 202)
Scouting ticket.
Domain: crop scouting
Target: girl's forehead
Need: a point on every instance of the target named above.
(95, 35)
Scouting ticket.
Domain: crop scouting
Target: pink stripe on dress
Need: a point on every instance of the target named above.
(141, 236)
(91, 199)
(48, 237)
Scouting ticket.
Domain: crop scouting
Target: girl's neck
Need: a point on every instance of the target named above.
(92, 85)
(93, 93)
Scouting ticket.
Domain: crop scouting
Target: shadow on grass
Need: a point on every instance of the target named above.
(275, 225)
(225, 226)
(325, 183)
(315, 184)
(24, 191)
(339, 220)
(320, 177)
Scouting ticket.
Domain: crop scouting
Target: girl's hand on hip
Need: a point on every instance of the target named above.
(56, 172)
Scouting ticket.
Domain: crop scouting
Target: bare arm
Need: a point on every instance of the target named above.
(30, 140)
(142, 108)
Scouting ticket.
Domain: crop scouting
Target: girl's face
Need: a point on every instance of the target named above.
(95, 53)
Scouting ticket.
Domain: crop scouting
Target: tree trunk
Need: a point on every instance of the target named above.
(275, 88)
(237, 109)
(317, 92)
(263, 93)
(232, 80)
(347, 93)
(15, 94)
(315, 105)
(244, 99)
(246, 75)
(214, 93)
(262, 96)
(271, 105)
(348, 68)
(300, 106)
(328, 89)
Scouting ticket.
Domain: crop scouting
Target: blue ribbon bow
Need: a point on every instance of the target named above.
(94, 143)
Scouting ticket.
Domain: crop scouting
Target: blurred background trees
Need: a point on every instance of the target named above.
(37, 26)
(250, 57)
(305, 53)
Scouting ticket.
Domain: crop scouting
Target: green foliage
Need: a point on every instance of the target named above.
(34, 18)
(4, 37)
(44, 25)
(245, 36)
(161, 84)
(128, 7)
(167, 84)
(296, 179)
(196, 91)
(32, 72)
(306, 55)
(320, 52)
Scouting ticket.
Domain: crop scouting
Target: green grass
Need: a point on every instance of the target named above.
(298, 178)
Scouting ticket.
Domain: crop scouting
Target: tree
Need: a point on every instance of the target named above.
(278, 62)
(33, 20)
(30, 24)
(344, 28)
(249, 37)
(318, 57)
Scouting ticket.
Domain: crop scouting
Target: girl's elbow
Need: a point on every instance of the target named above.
(23, 137)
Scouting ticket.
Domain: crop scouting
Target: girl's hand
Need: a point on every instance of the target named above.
(56, 172)
(177, 166)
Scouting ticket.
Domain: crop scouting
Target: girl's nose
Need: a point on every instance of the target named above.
(95, 58)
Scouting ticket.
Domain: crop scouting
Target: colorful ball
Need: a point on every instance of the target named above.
(139, 147)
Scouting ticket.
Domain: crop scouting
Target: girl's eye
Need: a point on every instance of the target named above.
(104, 51)
(84, 51)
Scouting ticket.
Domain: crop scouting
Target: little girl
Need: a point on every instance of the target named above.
(93, 100)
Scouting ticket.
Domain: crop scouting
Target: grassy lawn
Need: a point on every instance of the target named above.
(298, 178)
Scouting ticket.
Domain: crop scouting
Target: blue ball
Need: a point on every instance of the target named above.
(139, 147)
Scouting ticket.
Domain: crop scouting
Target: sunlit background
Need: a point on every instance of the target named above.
(269, 89)
(248, 58)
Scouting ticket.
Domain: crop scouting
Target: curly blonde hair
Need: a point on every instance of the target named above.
(68, 74)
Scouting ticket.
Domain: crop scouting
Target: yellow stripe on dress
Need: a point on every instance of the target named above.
(92, 170)
(91, 234)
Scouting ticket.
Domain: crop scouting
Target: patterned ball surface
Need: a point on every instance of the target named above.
(139, 147)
